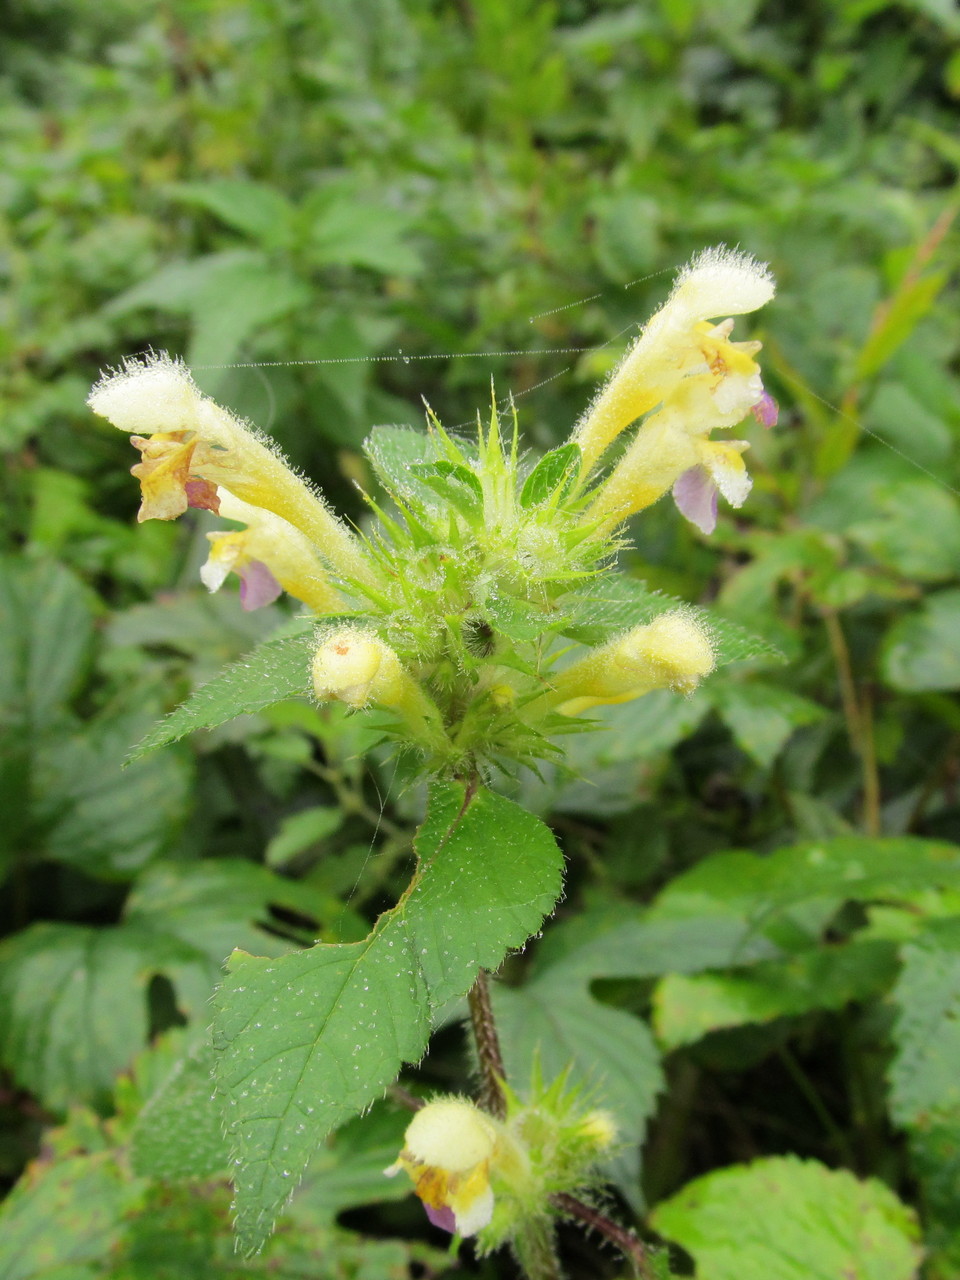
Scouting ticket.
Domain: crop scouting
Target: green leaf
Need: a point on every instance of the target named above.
(762, 716)
(394, 452)
(46, 635)
(920, 652)
(360, 233)
(305, 1041)
(98, 817)
(487, 877)
(178, 1135)
(610, 604)
(301, 831)
(216, 905)
(925, 547)
(62, 1221)
(74, 1003)
(515, 619)
(274, 671)
(455, 483)
(686, 1007)
(787, 1219)
(257, 210)
(904, 312)
(847, 868)
(924, 1082)
(555, 1021)
(229, 296)
(556, 468)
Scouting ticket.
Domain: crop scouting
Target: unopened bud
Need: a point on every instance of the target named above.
(673, 652)
(598, 1129)
(357, 668)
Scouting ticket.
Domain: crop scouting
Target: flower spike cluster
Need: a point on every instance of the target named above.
(479, 1176)
(452, 618)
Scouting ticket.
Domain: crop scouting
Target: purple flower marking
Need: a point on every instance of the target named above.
(258, 586)
(766, 411)
(443, 1217)
(695, 493)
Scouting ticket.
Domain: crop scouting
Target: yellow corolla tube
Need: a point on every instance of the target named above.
(268, 556)
(190, 447)
(676, 342)
(448, 1151)
(672, 652)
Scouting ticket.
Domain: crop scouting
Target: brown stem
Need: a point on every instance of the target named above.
(487, 1041)
(859, 721)
(631, 1246)
(403, 1098)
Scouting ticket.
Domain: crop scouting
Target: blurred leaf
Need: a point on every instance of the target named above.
(924, 1084)
(87, 1198)
(217, 905)
(762, 716)
(46, 635)
(847, 868)
(686, 1007)
(352, 232)
(98, 817)
(74, 1003)
(926, 548)
(787, 1219)
(898, 418)
(348, 1170)
(178, 1136)
(300, 831)
(920, 651)
(259, 211)
(898, 319)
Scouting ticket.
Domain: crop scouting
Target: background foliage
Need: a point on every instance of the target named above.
(330, 209)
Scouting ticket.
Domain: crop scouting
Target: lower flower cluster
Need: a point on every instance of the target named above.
(480, 1176)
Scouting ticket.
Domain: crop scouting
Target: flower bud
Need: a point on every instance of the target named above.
(357, 668)
(673, 652)
(598, 1130)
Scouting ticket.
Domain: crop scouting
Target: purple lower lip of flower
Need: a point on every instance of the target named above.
(695, 493)
(443, 1217)
(766, 410)
(258, 586)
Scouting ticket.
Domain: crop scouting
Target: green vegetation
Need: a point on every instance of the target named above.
(333, 211)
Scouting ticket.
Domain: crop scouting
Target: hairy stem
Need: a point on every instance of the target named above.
(487, 1041)
(631, 1246)
(536, 1252)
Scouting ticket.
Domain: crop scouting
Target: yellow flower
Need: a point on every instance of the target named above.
(269, 556)
(678, 343)
(672, 652)
(448, 1150)
(675, 441)
(190, 447)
